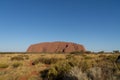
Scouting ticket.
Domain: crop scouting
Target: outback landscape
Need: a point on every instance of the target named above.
(74, 65)
(59, 39)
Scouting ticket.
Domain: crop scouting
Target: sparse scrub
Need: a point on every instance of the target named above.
(58, 71)
(48, 60)
(26, 57)
(3, 65)
(59, 67)
(18, 58)
(16, 64)
(73, 62)
(84, 66)
(112, 58)
(69, 56)
(87, 57)
(102, 56)
(45, 60)
(3, 72)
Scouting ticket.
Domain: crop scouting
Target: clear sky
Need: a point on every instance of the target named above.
(93, 23)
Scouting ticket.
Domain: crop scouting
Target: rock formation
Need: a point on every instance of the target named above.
(64, 47)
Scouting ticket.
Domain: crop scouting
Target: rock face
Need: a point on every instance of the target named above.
(52, 47)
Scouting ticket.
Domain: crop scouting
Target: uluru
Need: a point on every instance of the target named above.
(55, 47)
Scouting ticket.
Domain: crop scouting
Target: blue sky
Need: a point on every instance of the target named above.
(93, 23)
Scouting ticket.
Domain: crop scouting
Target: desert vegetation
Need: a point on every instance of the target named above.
(51, 66)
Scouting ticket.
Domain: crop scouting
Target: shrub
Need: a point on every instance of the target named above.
(94, 73)
(107, 73)
(77, 52)
(26, 57)
(101, 52)
(88, 52)
(18, 58)
(84, 66)
(77, 74)
(36, 61)
(44, 74)
(102, 56)
(111, 58)
(3, 65)
(70, 56)
(71, 59)
(116, 51)
(73, 62)
(46, 60)
(57, 71)
(16, 64)
(3, 73)
(87, 57)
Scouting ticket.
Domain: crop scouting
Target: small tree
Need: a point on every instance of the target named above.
(116, 51)
(77, 52)
(88, 52)
(101, 52)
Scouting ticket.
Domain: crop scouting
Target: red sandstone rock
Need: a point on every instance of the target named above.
(56, 47)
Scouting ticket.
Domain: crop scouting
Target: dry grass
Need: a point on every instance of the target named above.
(19, 66)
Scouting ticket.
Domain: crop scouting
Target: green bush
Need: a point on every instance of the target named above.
(3, 65)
